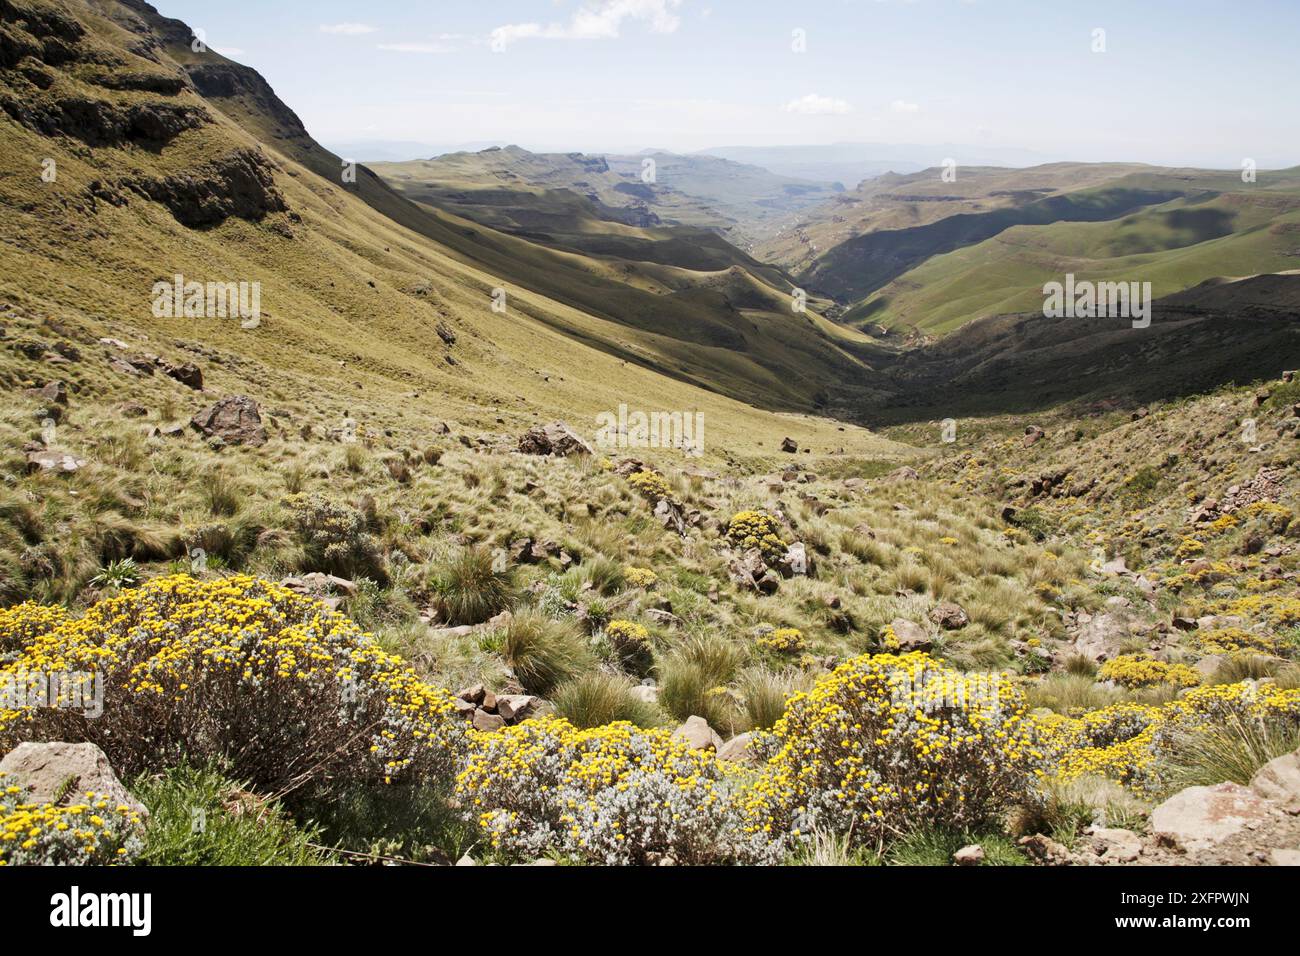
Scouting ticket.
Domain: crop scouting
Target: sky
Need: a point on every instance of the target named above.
(1172, 82)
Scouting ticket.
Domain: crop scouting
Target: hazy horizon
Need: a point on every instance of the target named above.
(621, 76)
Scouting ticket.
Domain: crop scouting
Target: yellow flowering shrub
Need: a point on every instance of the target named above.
(24, 623)
(884, 743)
(756, 529)
(1279, 610)
(1139, 670)
(1230, 640)
(1113, 742)
(640, 577)
(90, 831)
(630, 643)
(651, 485)
(1126, 742)
(609, 795)
(784, 640)
(1189, 548)
(245, 670)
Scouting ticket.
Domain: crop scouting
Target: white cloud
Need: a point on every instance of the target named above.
(348, 29)
(902, 106)
(597, 20)
(814, 105)
(414, 47)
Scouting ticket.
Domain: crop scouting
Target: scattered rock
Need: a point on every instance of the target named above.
(738, 749)
(972, 855)
(698, 735)
(556, 439)
(46, 768)
(516, 707)
(235, 420)
(1033, 434)
(1044, 850)
(899, 475)
(949, 616)
(1120, 846)
(188, 374)
(54, 461)
(486, 722)
(789, 446)
(911, 636)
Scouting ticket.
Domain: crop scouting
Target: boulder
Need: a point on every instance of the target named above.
(949, 616)
(1201, 818)
(738, 749)
(698, 735)
(1101, 635)
(789, 446)
(911, 636)
(1279, 781)
(1033, 434)
(46, 769)
(235, 419)
(556, 439)
(646, 693)
(1280, 857)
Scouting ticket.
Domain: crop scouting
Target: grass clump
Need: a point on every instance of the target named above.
(469, 588)
(199, 817)
(597, 698)
(544, 652)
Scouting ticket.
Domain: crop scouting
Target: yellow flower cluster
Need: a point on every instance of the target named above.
(784, 640)
(21, 625)
(612, 794)
(640, 577)
(1188, 548)
(1125, 742)
(885, 741)
(652, 486)
(238, 668)
(1231, 640)
(756, 529)
(627, 632)
(90, 832)
(1140, 670)
(1279, 610)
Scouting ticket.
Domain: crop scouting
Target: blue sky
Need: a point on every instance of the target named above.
(1193, 82)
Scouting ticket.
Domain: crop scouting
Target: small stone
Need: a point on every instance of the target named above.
(487, 723)
(972, 855)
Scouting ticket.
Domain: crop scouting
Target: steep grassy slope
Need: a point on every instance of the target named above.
(1212, 335)
(1173, 245)
(894, 202)
(915, 253)
(133, 117)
